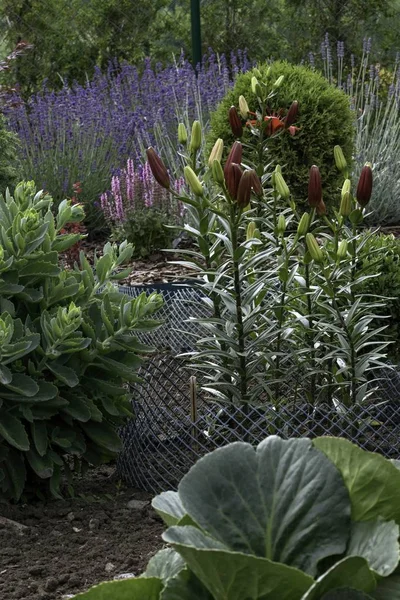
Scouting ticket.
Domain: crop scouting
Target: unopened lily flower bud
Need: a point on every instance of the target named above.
(254, 84)
(281, 186)
(314, 187)
(251, 227)
(340, 161)
(279, 81)
(321, 209)
(346, 205)
(234, 156)
(195, 139)
(243, 107)
(193, 181)
(257, 73)
(292, 114)
(256, 183)
(314, 249)
(217, 172)
(232, 179)
(303, 225)
(216, 152)
(182, 133)
(346, 187)
(281, 226)
(244, 189)
(364, 187)
(235, 122)
(158, 168)
(342, 250)
(276, 170)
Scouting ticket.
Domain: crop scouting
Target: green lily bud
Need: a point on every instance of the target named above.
(256, 87)
(342, 250)
(276, 170)
(257, 72)
(243, 107)
(195, 139)
(257, 234)
(182, 133)
(216, 152)
(217, 172)
(279, 81)
(193, 181)
(281, 226)
(303, 225)
(340, 161)
(314, 249)
(346, 187)
(251, 227)
(346, 205)
(281, 186)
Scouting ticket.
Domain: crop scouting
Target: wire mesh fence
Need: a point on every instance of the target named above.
(175, 423)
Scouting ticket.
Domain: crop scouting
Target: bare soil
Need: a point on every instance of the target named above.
(65, 546)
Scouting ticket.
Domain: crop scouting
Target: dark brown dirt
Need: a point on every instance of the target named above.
(69, 545)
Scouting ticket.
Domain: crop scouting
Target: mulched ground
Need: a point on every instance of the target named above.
(65, 546)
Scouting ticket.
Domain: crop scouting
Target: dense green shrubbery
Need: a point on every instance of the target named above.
(291, 519)
(8, 156)
(146, 230)
(382, 258)
(66, 345)
(325, 120)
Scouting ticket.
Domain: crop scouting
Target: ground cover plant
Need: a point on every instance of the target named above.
(295, 519)
(283, 286)
(66, 345)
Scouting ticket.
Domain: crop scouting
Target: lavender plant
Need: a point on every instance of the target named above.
(87, 132)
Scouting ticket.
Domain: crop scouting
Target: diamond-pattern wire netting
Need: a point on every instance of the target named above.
(174, 425)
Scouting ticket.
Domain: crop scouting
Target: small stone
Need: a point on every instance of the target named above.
(125, 576)
(94, 524)
(71, 516)
(51, 584)
(36, 571)
(109, 567)
(137, 504)
(76, 529)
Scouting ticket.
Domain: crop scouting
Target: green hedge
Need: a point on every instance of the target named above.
(325, 119)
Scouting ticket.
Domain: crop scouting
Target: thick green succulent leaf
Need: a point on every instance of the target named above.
(185, 586)
(43, 466)
(284, 501)
(39, 436)
(15, 467)
(169, 506)
(234, 575)
(63, 373)
(126, 589)
(352, 571)
(373, 482)
(13, 431)
(5, 375)
(388, 588)
(165, 564)
(103, 435)
(377, 542)
(23, 384)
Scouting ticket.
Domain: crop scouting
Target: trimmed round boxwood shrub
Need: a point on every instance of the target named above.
(325, 120)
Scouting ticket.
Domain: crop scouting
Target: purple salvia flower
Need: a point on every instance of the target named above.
(340, 50)
(130, 181)
(118, 202)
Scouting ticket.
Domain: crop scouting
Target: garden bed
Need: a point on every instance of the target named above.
(65, 546)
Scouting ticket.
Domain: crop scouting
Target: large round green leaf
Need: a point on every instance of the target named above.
(126, 589)
(372, 480)
(388, 588)
(234, 575)
(169, 506)
(185, 586)
(352, 572)
(284, 501)
(377, 542)
(165, 564)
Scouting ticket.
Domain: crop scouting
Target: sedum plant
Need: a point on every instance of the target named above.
(288, 320)
(291, 519)
(67, 351)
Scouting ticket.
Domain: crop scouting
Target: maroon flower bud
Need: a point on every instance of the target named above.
(244, 189)
(364, 187)
(292, 114)
(235, 122)
(256, 183)
(314, 187)
(321, 209)
(158, 168)
(232, 179)
(234, 156)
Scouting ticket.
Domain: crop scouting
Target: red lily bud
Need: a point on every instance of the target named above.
(314, 187)
(244, 189)
(235, 122)
(158, 168)
(232, 179)
(256, 183)
(364, 187)
(234, 156)
(292, 114)
(321, 209)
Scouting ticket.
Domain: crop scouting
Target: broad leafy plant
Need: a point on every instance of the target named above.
(291, 519)
(66, 345)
